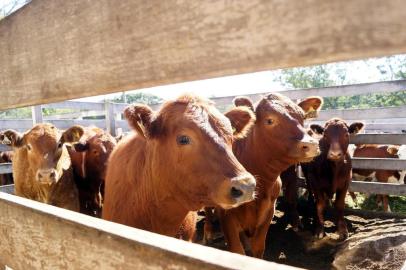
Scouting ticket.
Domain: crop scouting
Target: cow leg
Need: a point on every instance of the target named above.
(321, 201)
(231, 232)
(339, 207)
(258, 241)
(385, 201)
(353, 197)
(289, 180)
(208, 229)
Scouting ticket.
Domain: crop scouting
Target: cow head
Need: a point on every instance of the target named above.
(191, 150)
(95, 147)
(279, 127)
(44, 148)
(336, 134)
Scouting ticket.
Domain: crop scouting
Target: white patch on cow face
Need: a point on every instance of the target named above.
(402, 155)
(393, 180)
(351, 149)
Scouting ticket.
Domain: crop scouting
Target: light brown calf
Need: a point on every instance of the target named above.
(179, 160)
(42, 168)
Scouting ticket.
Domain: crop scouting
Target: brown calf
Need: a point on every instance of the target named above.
(276, 141)
(6, 157)
(179, 161)
(383, 176)
(42, 168)
(330, 173)
(89, 160)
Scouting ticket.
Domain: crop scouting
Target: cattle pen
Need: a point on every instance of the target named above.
(52, 51)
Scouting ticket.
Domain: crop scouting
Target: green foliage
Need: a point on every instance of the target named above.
(140, 97)
(329, 75)
(365, 202)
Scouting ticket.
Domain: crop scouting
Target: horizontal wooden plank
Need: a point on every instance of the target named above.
(60, 239)
(379, 163)
(6, 168)
(378, 188)
(7, 189)
(333, 91)
(107, 53)
(16, 124)
(77, 105)
(369, 187)
(378, 139)
(4, 148)
(364, 114)
(64, 124)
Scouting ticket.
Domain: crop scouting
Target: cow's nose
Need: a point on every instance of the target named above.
(243, 188)
(310, 147)
(335, 155)
(47, 175)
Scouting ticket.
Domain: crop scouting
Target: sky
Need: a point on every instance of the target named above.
(361, 71)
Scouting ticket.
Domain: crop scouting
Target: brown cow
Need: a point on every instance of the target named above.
(275, 142)
(42, 167)
(6, 157)
(330, 173)
(383, 176)
(89, 160)
(179, 161)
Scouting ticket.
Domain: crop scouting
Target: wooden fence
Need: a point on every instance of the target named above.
(386, 119)
(54, 50)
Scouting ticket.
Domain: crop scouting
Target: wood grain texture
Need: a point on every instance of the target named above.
(369, 187)
(378, 139)
(53, 50)
(379, 163)
(38, 236)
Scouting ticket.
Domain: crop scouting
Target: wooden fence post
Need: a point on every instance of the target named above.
(36, 114)
(110, 118)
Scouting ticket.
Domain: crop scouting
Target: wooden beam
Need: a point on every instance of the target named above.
(369, 187)
(378, 188)
(39, 236)
(6, 168)
(7, 189)
(364, 114)
(378, 139)
(53, 50)
(379, 163)
(333, 91)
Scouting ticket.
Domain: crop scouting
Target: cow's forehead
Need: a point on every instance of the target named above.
(280, 106)
(42, 134)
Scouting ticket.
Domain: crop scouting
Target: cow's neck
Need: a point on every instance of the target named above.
(162, 212)
(259, 160)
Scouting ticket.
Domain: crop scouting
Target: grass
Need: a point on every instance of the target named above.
(368, 202)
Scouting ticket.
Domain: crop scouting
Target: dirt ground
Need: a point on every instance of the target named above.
(373, 243)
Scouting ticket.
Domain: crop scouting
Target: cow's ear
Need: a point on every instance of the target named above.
(355, 127)
(139, 117)
(12, 138)
(317, 129)
(72, 134)
(311, 106)
(242, 119)
(393, 150)
(243, 101)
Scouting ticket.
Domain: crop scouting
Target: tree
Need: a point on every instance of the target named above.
(140, 97)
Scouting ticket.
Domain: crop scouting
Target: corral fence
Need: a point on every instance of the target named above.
(390, 122)
(55, 50)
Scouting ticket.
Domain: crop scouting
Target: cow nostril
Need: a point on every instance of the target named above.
(52, 175)
(236, 193)
(39, 176)
(305, 148)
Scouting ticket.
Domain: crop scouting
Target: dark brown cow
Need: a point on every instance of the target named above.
(275, 142)
(6, 157)
(330, 173)
(42, 168)
(383, 176)
(179, 161)
(89, 159)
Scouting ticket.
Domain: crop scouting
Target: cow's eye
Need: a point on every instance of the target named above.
(269, 121)
(29, 147)
(60, 144)
(183, 140)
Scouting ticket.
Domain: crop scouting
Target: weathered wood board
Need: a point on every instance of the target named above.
(39, 236)
(53, 50)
